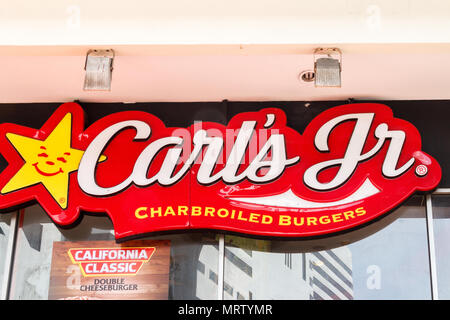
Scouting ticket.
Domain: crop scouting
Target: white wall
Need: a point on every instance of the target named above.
(76, 22)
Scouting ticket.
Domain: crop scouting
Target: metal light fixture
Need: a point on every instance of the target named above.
(327, 67)
(98, 66)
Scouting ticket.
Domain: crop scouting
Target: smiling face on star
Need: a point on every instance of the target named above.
(46, 162)
(51, 162)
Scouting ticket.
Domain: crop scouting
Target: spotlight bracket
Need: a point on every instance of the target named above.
(99, 69)
(327, 67)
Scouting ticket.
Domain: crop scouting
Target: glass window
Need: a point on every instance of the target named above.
(441, 226)
(193, 256)
(5, 221)
(391, 263)
(193, 266)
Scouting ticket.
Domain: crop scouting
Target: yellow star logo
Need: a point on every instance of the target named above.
(48, 162)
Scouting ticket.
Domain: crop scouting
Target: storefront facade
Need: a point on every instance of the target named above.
(400, 255)
(180, 67)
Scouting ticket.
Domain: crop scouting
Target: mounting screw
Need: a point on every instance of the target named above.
(307, 76)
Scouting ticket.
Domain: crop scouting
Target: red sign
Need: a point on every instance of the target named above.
(110, 261)
(84, 270)
(352, 164)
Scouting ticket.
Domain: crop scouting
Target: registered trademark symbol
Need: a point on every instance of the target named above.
(62, 200)
(421, 170)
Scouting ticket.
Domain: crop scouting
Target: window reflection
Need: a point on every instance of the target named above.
(391, 263)
(389, 260)
(207, 272)
(193, 256)
(5, 221)
(34, 246)
(331, 274)
(441, 226)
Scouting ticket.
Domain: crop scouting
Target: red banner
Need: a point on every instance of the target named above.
(352, 164)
